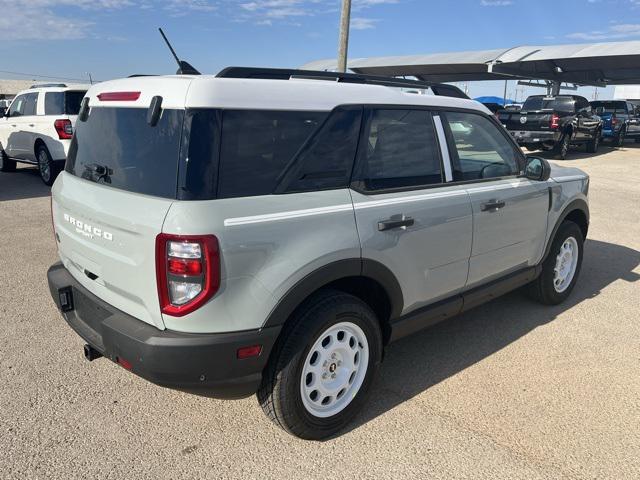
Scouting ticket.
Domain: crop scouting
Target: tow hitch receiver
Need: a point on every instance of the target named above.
(65, 296)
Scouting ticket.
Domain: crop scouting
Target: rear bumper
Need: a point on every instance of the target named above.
(204, 364)
(529, 137)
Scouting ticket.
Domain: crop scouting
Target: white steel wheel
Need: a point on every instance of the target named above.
(566, 265)
(334, 369)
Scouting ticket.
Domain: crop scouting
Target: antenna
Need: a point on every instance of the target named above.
(184, 68)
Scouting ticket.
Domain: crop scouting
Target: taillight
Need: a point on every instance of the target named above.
(614, 120)
(555, 121)
(187, 271)
(64, 129)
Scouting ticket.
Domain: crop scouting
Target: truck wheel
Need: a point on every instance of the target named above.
(619, 141)
(594, 143)
(562, 147)
(323, 367)
(47, 167)
(6, 165)
(561, 268)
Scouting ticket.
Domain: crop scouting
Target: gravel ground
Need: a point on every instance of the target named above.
(511, 389)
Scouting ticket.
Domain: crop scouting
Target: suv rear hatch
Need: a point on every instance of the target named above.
(120, 179)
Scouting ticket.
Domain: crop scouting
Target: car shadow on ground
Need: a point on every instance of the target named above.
(24, 183)
(579, 152)
(416, 363)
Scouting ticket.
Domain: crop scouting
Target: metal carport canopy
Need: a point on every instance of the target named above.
(599, 64)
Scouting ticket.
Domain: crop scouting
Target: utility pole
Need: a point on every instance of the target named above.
(343, 42)
(504, 97)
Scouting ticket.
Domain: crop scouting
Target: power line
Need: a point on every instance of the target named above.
(49, 77)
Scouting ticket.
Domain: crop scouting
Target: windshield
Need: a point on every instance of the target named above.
(562, 104)
(609, 107)
(117, 147)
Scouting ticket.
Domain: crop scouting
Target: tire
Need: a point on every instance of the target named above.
(561, 148)
(287, 391)
(619, 140)
(594, 143)
(6, 165)
(546, 288)
(46, 166)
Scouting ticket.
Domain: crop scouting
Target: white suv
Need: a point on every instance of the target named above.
(38, 127)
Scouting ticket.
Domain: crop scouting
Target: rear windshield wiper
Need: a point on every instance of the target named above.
(97, 173)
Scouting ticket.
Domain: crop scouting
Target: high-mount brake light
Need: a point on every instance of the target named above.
(64, 129)
(187, 271)
(118, 96)
(555, 121)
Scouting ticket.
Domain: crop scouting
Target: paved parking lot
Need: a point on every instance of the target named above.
(511, 389)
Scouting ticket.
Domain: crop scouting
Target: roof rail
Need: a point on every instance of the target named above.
(441, 89)
(48, 85)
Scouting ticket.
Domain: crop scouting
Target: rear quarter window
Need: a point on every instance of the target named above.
(256, 146)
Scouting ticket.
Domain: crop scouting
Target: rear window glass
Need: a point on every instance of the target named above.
(62, 103)
(401, 150)
(609, 107)
(257, 145)
(117, 147)
(562, 104)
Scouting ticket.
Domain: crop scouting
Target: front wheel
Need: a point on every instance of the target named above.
(323, 368)
(561, 268)
(6, 165)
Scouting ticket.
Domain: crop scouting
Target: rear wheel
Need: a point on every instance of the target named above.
(47, 167)
(323, 368)
(562, 147)
(561, 268)
(6, 165)
(594, 143)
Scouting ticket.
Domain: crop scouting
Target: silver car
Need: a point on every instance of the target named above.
(270, 232)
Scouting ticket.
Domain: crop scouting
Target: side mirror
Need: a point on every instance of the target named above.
(537, 169)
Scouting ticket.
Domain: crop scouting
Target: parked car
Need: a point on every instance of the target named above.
(554, 123)
(38, 127)
(620, 120)
(493, 107)
(192, 224)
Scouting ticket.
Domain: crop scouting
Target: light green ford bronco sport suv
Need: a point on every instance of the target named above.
(272, 231)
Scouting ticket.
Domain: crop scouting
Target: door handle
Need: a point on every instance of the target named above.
(32, 124)
(492, 206)
(397, 221)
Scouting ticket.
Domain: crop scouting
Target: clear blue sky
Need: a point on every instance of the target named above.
(114, 38)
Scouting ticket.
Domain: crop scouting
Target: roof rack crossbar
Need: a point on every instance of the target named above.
(287, 74)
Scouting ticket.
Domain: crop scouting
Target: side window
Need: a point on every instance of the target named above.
(17, 106)
(30, 103)
(256, 146)
(326, 161)
(53, 103)
(481, 149)
(399, 149)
